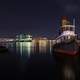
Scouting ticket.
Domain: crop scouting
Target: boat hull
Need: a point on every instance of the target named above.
(67, 61)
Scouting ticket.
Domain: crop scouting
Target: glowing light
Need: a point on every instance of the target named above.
(68, 33)
(69, 26)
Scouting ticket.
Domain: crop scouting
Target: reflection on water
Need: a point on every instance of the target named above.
(24, 48)
(69, 73)
(42, 63)
(30, 48)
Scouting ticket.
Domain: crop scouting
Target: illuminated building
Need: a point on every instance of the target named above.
(23, 38)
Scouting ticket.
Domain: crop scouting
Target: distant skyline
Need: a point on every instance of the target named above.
(36, 17)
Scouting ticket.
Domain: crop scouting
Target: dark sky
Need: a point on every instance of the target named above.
(38, 17)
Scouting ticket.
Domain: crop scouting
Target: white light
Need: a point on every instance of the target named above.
(68, 33)
(69, 37)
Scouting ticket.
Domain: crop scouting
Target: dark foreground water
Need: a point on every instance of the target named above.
(23, 62)
(36, 67)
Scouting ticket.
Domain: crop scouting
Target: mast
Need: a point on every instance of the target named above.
(74, 24)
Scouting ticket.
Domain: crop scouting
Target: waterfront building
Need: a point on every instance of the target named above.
(24, 38)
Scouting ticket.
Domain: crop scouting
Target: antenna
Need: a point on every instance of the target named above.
(74, 24)
(74, 21)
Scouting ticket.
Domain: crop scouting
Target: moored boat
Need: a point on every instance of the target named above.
(66, 53)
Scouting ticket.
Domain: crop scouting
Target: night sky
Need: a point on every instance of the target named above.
(36, 17)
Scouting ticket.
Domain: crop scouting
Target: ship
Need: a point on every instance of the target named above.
(23, 38)
(66, 52)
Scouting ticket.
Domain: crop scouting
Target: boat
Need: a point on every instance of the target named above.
(66, 53)
(66, 48)
(66, 43)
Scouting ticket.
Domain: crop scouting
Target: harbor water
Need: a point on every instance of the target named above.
(34, 61)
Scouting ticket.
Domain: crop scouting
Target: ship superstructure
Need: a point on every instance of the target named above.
(67, 31)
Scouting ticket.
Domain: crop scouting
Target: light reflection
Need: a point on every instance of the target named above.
(50, 46)
(36, 46)
(27, 46)
(24, 48)
(43, 46)
(69, 73)
(21, 48)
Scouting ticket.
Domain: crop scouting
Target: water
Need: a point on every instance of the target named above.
(35, 61)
